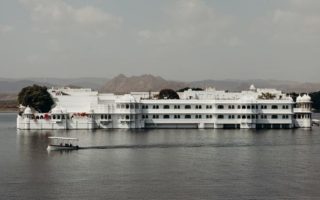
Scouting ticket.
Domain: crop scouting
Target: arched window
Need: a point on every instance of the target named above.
(53, 117)
(187, 107)
(166, 116)
(166, 107)
(220, 116)
(187, 116)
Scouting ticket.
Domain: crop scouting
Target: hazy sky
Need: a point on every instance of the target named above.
(176, 39)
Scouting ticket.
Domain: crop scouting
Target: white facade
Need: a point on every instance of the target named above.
(87, 109)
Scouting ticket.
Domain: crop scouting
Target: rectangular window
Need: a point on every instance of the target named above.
(274, 107)
(220, 116)
(166, 107)
(220, 106)
(274, 117)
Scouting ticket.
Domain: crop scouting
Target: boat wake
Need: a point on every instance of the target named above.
(150, 146)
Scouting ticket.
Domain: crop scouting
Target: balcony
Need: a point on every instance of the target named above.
(301, 110)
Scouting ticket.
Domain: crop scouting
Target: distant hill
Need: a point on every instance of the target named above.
(15, 85)
(122, 84)
(238, 85)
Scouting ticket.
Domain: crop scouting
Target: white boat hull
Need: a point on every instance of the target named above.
(55, 148)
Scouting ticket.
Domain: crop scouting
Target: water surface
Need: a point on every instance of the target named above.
(161, 164)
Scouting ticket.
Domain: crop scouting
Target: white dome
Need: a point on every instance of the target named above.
(306, 98)
(252, 87)
(299, 98)
(27, 111)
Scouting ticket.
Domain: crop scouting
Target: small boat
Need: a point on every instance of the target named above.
(63, 143)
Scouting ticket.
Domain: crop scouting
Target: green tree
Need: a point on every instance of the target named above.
(315, 98)
(36, 97)
(168, 94)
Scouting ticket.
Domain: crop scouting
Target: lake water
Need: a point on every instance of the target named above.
(161, 164)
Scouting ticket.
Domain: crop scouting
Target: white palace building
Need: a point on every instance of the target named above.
(88, 109)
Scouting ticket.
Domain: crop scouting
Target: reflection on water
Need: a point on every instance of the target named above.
(160, 164)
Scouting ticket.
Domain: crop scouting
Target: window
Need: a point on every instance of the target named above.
(231, 106)
(239, 106)
(198, 116)
(127, 117)
(177, 116)
(208, 116)
(263, 106)
(220, 106)
(155, 116)
(243, 107)
(176, 106)
(166, 107)
(220, 116)
(208, 106)
(285, 107)
(155, 106)
(248, 107)
(243, 116)
(187, 116)
(187, 107)
(53, 117)
(127, 106)
(198, 106)
(274, 117)
(231, 116)
(166, 116)
(274, 107)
